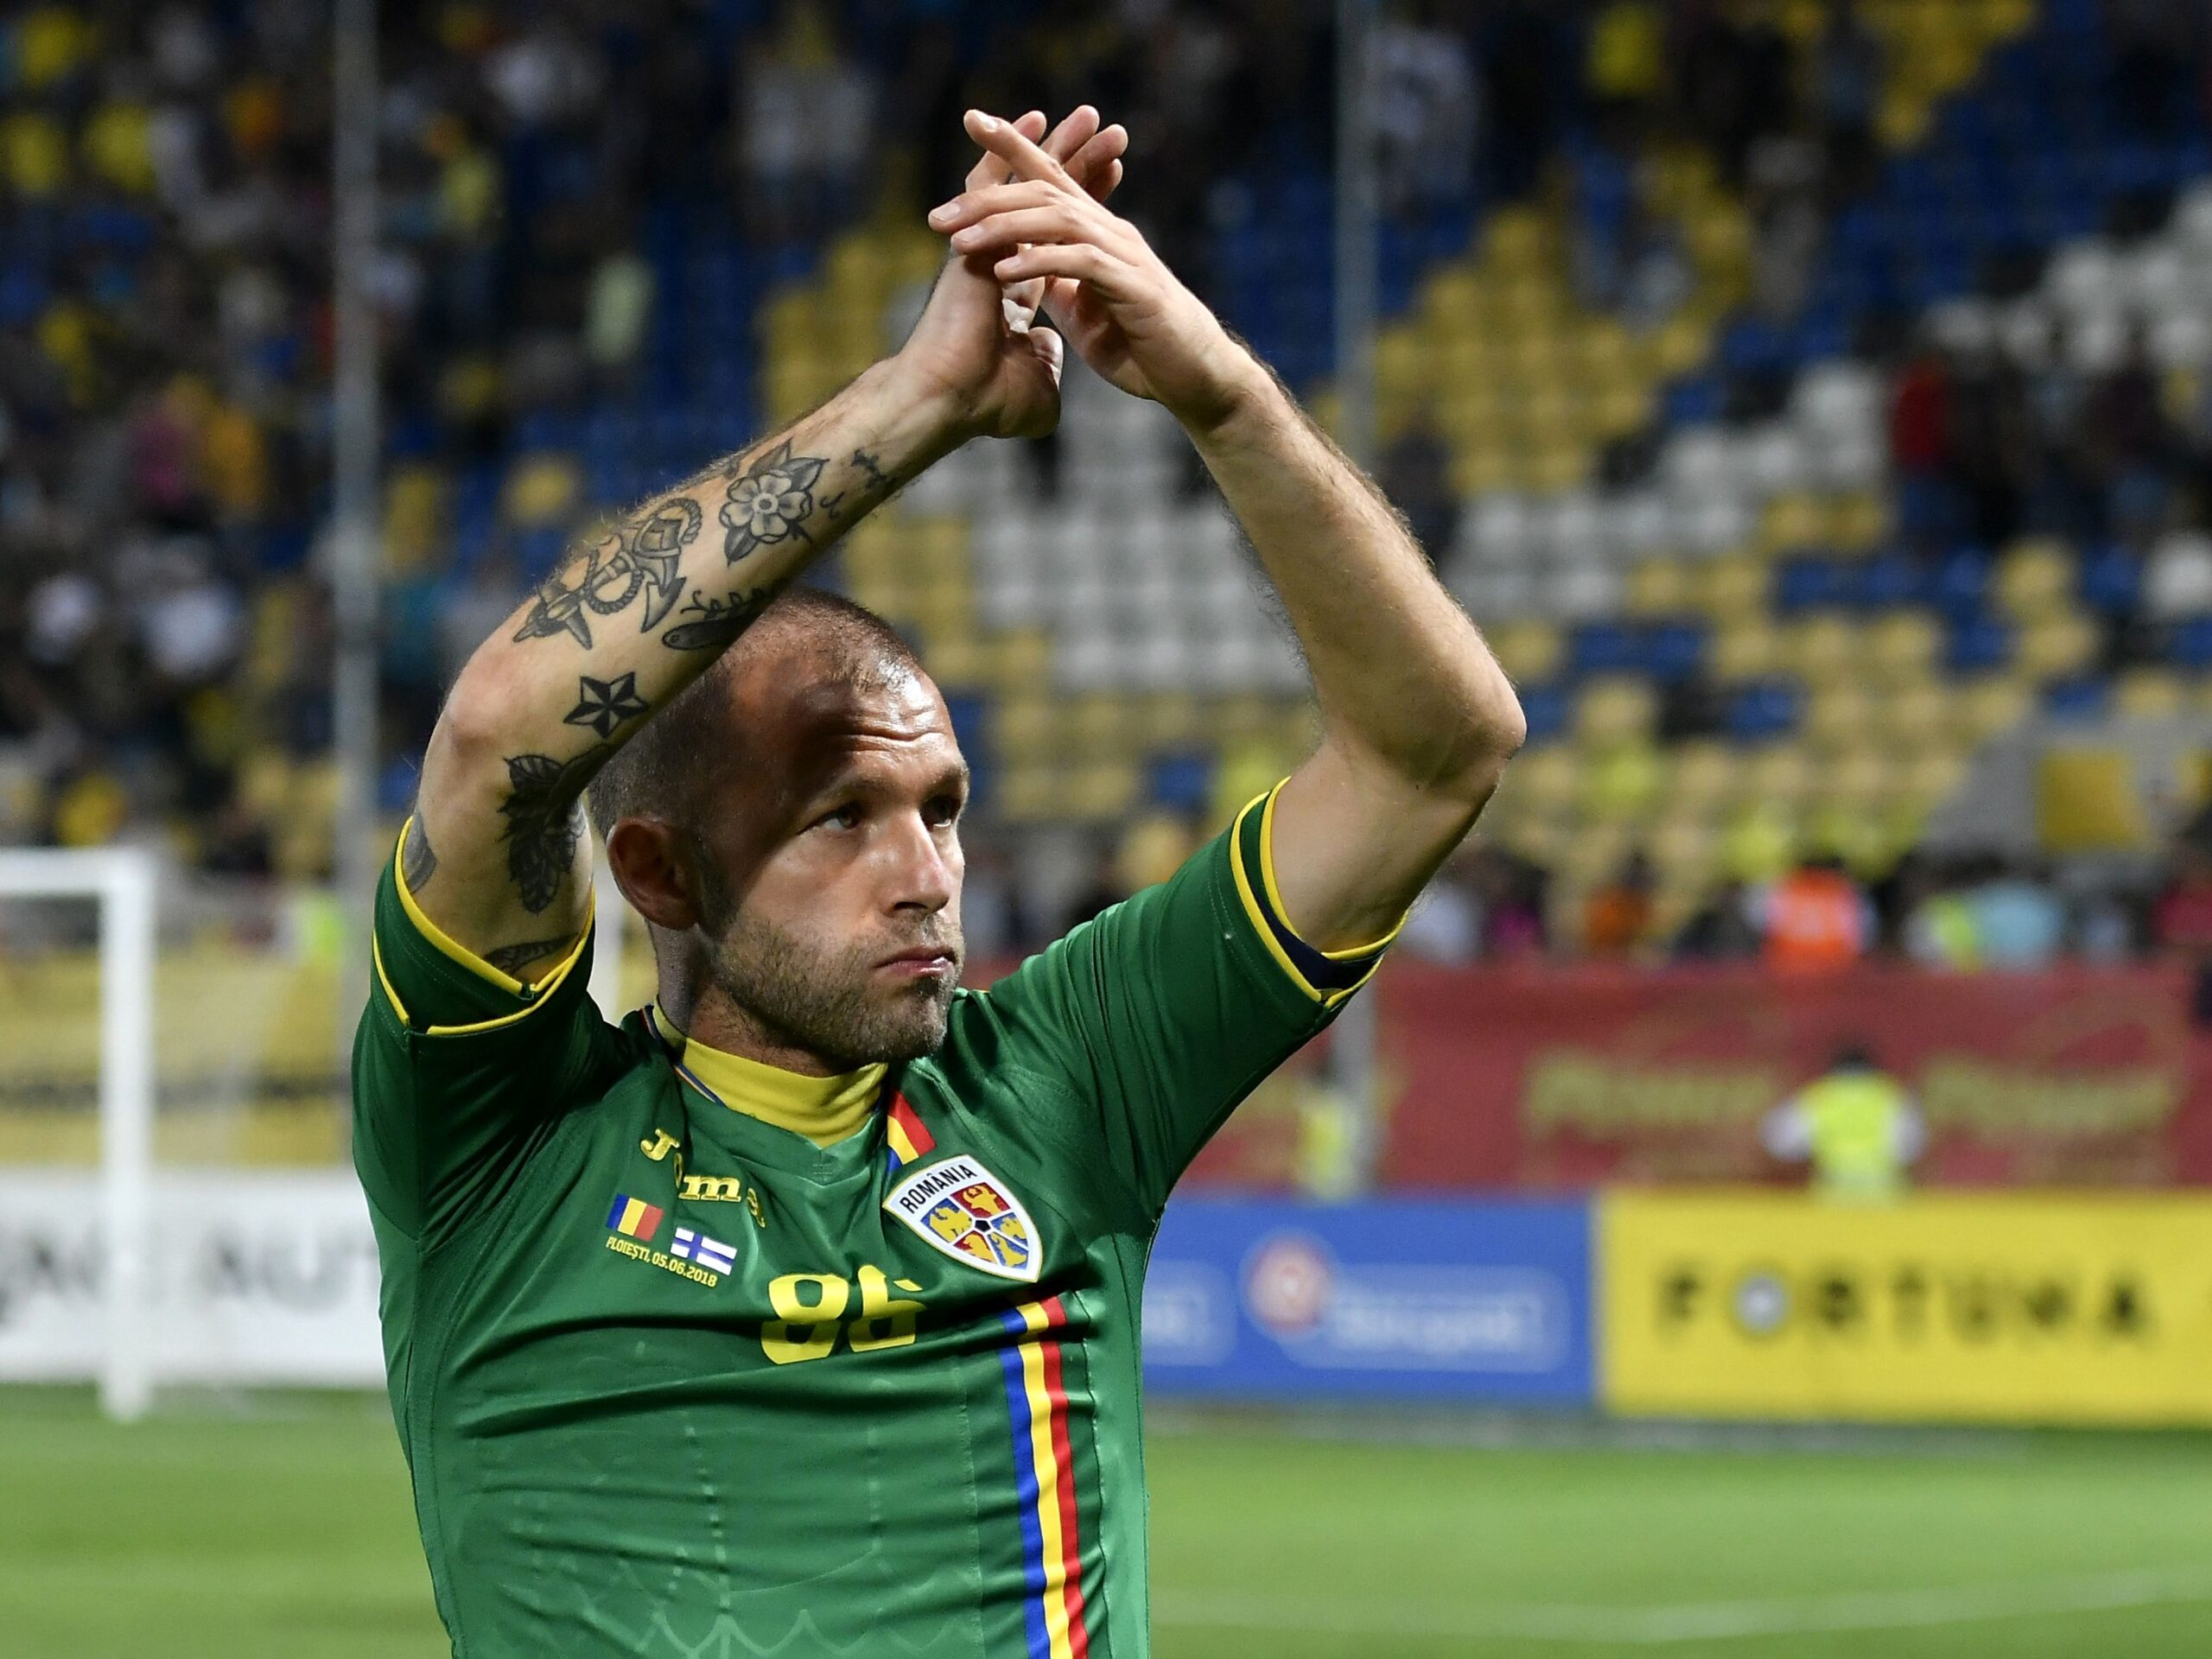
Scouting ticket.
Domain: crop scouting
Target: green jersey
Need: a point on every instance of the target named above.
(674, 1380)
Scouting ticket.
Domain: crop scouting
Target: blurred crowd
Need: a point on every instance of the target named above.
(166, 636)
(1961, 912)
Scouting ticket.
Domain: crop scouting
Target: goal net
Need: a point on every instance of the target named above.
(177, 1205)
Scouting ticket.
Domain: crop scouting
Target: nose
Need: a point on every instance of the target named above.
(924, 877)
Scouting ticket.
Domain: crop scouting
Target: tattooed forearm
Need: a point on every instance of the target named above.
(417, 862)
(713, 623)
(871, 468)
(604, 704)
(770, 501)
(640, 557)
(513, 958)
(545, 820)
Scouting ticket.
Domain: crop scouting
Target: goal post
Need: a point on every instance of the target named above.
(121, 881)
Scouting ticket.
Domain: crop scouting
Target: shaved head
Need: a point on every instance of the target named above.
(787, 825)
(690, 752)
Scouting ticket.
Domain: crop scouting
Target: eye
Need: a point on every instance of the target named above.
(941, 809)
(845, 817)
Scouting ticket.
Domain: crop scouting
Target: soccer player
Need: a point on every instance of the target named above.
(798, 1314)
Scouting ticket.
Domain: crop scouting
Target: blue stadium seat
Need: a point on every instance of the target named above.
(1763, 710)
(1977, 644)
(2080, 701)
(2191, 645)
(1602, 648)
(1550, 711)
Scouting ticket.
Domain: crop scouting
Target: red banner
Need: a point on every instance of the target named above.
(1569, 1077)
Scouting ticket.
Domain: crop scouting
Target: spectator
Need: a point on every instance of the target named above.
(2018, 921)
(1721, 929)
(1816, 919)
(1426, 110)
(1848, 74)
(1446, 924)
(1617, 917)
(1855, 1126)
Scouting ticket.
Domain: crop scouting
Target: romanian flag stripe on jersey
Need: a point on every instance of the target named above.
(1037, 1404)
(904, 1136)
(634, 1217)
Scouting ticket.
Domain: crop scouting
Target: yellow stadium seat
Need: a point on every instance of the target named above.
(1614, 710)
(1760, 844)
(1748, 650)
(1839, 718)
(1732, 590)
(1528, 651)
(2150, 693)
(1780, 773)
(2057, 646)
(1166, 719)
(1904, 646)
(1660, 587)
(1991, 705)
(1023, 660)
(1101, 726)
(1705, 776)
(1930, 779)
(1823, 650)
(1101, 791)
(1542, 782)
(2035, 582)
(959, 661)
(542, 490)
(1912, 717)
(1859, 522)
(1518, 239)
(1796, 520)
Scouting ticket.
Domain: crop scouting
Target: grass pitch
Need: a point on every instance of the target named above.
(288, 1533)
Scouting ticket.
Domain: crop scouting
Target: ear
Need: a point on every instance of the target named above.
(652, 865)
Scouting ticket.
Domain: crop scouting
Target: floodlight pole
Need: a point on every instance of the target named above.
(1353, 1045)
(354, 453)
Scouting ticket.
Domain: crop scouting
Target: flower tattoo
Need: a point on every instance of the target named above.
(769, 502)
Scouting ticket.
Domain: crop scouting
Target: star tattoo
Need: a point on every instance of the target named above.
(604, 704)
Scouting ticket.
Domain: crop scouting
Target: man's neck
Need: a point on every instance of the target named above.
(711, 1018)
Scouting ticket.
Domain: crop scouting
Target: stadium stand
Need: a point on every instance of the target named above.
(1802, 395)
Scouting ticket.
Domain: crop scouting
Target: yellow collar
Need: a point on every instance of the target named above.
(824, 1109)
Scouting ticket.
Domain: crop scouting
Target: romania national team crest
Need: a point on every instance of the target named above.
(969, 1214)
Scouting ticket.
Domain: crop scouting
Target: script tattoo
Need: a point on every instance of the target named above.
(545, 820)
(513, 958)
(604, 704)
(639, 557)
(770, 501)
(871, 469)
(418, 862)
(715, 622)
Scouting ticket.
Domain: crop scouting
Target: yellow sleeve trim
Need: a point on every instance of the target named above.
(376, 955)
(447, 945)
(1255, 914)
(541, 995)
(1274, 897)
(437, 935)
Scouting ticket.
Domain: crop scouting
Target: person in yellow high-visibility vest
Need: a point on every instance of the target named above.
(1857, 1126)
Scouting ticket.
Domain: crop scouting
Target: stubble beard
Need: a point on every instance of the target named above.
(829, 1001)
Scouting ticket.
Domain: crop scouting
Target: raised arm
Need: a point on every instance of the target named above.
(495, 855)
(1418, 719)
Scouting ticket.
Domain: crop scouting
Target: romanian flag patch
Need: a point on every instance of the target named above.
(634, 1217)
(905, 1138)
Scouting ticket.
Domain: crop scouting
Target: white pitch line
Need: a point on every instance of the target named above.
(1662, 1626)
